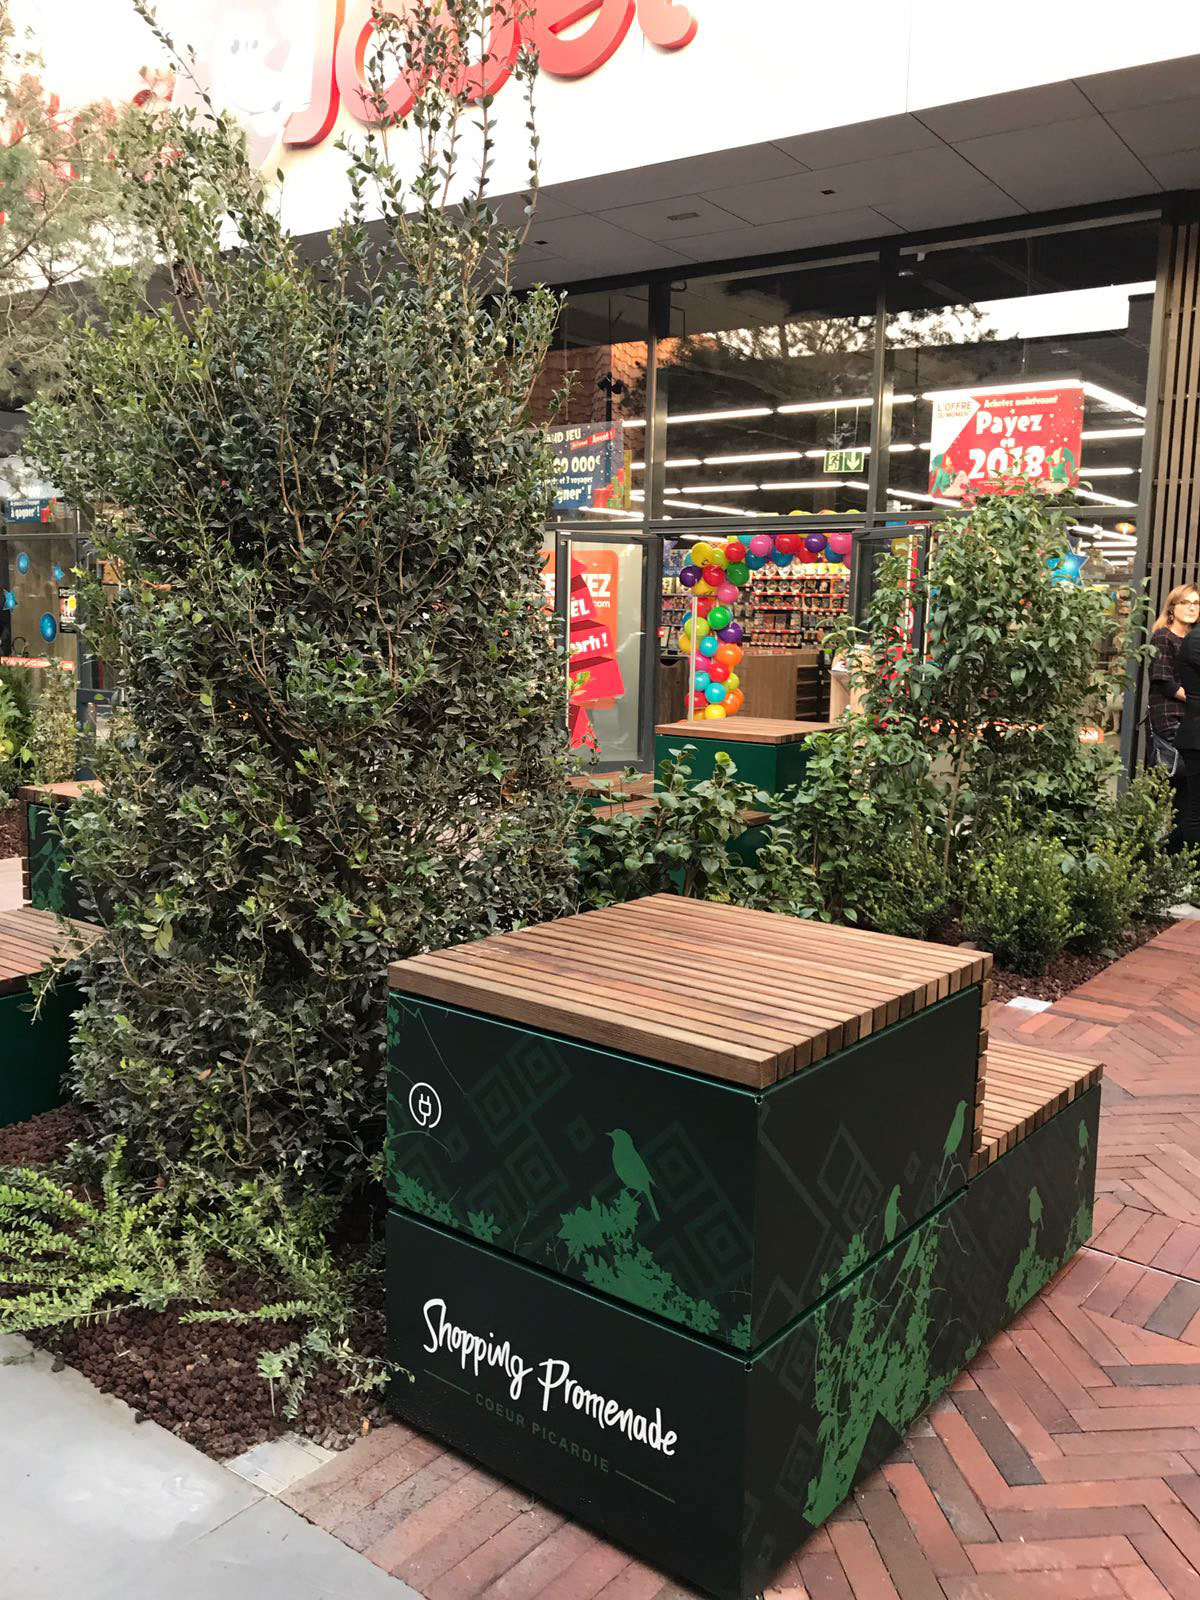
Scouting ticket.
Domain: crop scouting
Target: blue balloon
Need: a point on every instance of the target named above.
(709, 645)
(703, 681)
(59, 574)
(781, 558)
(755, 562)
(715, 693)
(48, 628)
(833, 557)
(10, 600)
(23, 562)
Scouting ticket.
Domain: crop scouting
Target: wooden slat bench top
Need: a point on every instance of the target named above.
(29, 939)
(745, 730)
(1026, 1087)
(611, 783)
(57, 791)
(633, 978)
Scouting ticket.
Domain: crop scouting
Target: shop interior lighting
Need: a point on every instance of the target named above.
(839, 404)
(718, 488)
(805, 483)
(928, 499)
(681, 461)
(1104, 499)
(724, 511)
(1113, 433)
(1109, 397)
(765, 455)
(1108, 472)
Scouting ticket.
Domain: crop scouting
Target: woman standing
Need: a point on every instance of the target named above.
(1168, 700)
(1187, 742)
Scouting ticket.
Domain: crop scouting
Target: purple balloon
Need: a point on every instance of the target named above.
(733, 634)
(815, 542)
(690, 577)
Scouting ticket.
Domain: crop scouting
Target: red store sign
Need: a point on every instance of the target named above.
(344, 30)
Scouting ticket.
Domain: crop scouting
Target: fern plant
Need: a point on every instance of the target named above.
(287, 1243)
(69, 1259)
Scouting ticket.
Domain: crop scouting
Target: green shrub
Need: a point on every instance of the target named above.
(1107, 888)
(1140, 822)
(1017, 900)
(345, 732)
(16, 724)
(54, 742)
(681, 845)
(904, 892)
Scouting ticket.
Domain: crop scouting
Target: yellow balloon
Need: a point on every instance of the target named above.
(799, 513)
(714, 713)
(717, 558)
(701, 587)
(701, 555)
(702, 628)
(733, 682)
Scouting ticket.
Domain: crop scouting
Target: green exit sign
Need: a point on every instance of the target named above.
(845, 460)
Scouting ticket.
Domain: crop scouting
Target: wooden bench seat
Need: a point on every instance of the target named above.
(1025, 1087)
(29, 939)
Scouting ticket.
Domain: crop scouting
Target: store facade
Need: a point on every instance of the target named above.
(788, 250)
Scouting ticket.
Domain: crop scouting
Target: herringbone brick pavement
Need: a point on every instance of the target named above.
(1065, 1463)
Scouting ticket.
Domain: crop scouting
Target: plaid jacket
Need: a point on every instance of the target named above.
(1166, 713)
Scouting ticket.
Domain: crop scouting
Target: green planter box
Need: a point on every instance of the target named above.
(49, 884)
(711, 1464)
(770, 753)
(721, 1207)
(34, 1052)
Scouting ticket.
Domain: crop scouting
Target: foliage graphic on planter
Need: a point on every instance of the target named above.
(889, 1363)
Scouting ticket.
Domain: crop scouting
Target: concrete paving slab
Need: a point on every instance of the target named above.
(267, 1552)
(276, 1464)
(98, 1506)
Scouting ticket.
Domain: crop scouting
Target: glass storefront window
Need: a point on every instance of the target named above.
(768, 386)
(600, 353)
(1071, 307)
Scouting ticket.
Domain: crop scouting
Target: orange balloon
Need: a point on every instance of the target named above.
(729, 655)
(734, 703)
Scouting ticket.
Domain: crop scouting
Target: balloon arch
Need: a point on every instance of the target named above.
(712, 635)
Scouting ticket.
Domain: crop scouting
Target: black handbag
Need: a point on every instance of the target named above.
(1164, 752)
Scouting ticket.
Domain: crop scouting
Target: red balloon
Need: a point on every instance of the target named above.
(786, 543)
(735, 551)
(806, 555)
(699, 702)
(705, 604)
(717, 671)
(714, 575)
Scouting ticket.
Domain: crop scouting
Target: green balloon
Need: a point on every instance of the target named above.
(737, 574)
(719, 617)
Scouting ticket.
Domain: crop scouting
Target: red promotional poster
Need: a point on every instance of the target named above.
(595, 676)
(1004, 439)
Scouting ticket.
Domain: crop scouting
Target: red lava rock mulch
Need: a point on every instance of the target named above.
(1069, 970)
(198, 1380)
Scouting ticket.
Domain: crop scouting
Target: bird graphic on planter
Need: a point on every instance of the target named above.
(630, 1168)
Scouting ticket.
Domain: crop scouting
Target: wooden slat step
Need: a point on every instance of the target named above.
(29, 939)
(57, 791)
(1024, 1088)
(639, 804)
(635, 978)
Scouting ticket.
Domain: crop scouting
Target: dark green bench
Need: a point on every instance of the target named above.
(689, 1257)
(48, 883)
(34, 1051)
(769, 752)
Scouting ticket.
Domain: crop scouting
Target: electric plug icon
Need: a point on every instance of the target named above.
(424, 1106)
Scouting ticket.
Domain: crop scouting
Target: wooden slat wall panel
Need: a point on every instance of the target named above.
(1174, 552)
